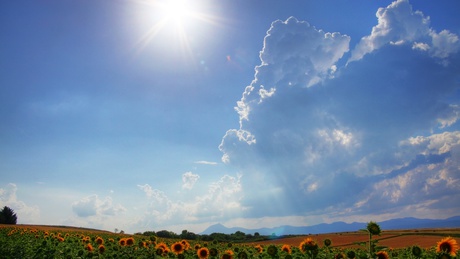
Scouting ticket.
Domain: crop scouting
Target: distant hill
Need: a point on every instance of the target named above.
(393, 224)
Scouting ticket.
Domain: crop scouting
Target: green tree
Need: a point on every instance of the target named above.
(8, 216)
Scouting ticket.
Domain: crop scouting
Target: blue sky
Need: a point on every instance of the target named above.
(138, 115)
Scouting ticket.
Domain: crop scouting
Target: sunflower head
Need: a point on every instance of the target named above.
(122, 242)
(448, 246)
(186, 244)
(308, 245)
(89, 247)
(213, 252)
(203, 253)
(130, 241)
(272, 250)
(373, 228)
(382, 255)
(242, 255)
(351, 254)
(327, 242)
(416, 251)
(286, 248)
(259, 248)
(159, 251)
(177, 248)
(99, 240)
(228, 254)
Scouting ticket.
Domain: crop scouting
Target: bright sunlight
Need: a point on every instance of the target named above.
(176, 10)
(178, 18)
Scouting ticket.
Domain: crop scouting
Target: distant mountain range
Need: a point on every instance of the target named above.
(400, 223)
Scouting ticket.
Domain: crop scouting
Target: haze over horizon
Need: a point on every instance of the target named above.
(144, 115)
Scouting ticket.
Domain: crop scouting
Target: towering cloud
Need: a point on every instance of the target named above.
(315, 137)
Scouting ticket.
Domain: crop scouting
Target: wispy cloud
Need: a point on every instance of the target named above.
(203, 162)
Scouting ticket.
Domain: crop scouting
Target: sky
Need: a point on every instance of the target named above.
(148, 115)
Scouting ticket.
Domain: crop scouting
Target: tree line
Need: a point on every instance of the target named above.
(236, 237)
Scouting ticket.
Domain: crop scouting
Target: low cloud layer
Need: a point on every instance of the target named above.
(377, 136)
(94, 206)
(220, 200)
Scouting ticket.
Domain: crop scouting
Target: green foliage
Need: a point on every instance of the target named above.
(8, 216)
(373, 228)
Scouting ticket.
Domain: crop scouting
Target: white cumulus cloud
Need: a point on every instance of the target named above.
(398, 23)
(189, 179)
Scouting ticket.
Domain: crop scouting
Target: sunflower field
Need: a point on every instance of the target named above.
(23, 242)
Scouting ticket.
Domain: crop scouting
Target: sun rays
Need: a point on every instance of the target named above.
(175, 23)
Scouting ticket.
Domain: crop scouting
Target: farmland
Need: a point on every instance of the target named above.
(29, 241)
(396, 239)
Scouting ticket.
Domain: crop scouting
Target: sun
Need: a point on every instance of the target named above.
(176, 11)
(176, 18)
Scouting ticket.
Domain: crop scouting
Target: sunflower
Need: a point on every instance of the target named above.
(339, 256)
(213, 252)
(203, 253)
(447, 245)
(159, 251)
(259, 248)
(99, 241)
(373, 228)
(416, 251)
(351, 254)
(101, 249)
(89, 247)
(228, 254)
(142, 244)
(130, 241)
(327, 242)
(272, 250)
(161, 248)
(382, 255)
(242, 255)
(186, 244)
(122, 242)
(178, 248)
(308, 245)
(286, 248)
